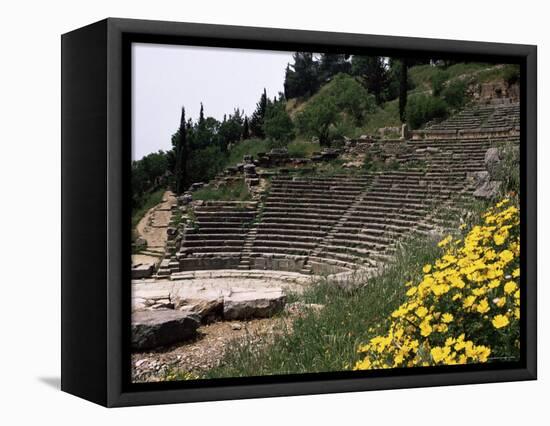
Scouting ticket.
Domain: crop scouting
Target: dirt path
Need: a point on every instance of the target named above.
(152, 227)
(203, 353)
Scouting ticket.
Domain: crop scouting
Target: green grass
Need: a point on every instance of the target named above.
(302, 149)
(386, 116)
(235, 191)
(149, 201)
(421, 75)
(246, 147)
(327, 341)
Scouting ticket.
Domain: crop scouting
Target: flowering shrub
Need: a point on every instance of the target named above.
(465, 309)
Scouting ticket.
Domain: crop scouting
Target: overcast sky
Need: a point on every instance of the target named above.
(167, 77)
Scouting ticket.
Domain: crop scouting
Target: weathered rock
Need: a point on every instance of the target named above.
(142, 270)
(207, 310)
(151, 329)
(492, 159)
(253, 304)
(140, 241)
(488, 190)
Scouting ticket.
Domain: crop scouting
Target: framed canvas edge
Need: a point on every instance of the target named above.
(115, 251)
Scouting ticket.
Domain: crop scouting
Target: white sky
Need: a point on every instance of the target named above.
(167, 77)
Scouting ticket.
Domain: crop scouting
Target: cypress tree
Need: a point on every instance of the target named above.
(182, 153)
(403, 87)
(246, 130)
(201, 115)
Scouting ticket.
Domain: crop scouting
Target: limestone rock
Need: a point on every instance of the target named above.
(208, 310)
(488, 190)
(246, 304)
(492, 159)
(151, 329)
(142, 270)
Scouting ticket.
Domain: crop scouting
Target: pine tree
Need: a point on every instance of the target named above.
(331, 64)
(302, 77)
(257, 118)
(375, 73)
(182, 154)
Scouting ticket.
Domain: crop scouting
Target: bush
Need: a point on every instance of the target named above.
(317, 117)
(302, 149)
(234, 191)
(423, 108)
(510, 74)
(455, 93)
(438, 80)
(278, 126)
(507, 170)
(350, 97)
(465, 309)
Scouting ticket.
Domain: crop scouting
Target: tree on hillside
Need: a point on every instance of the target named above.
(374, 71)
(331, 64)
(278, 126)
(403, 88)
(257, 118)
(246, 130)
(316, 119)
(182, 153)
(302, 77)
(231, 129)
(201, 115)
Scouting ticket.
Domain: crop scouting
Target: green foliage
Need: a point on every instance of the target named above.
(302, 149)
(326, 340)
(316, 119)
(182, 154)
(278, 126)
(507, 170)
(350, 97)
(206, 163)
(257, 118)
(148, 201)
(302, 77)
(148, 174)
(438, 80)
(246, 147)
(455, 93)
(423, 108)
(234, 191)
(374, 70)
(331, 64)
(511, 74)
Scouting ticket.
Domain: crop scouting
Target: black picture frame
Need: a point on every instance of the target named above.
(95, 177)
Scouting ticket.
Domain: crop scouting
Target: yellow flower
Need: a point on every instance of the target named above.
(469, 301)
(438, 353)
(421, 311)
(483, 306)
(427, 268)
(447, 318)
(425, 328)
(499, 239)
(506, 256)
(510, 287)
(411, 291)
(515, 274)
(500, 321)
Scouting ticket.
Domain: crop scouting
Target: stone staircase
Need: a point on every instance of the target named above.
(341, 223)
(218, 237)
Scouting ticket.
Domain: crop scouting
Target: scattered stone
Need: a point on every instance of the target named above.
(236, 326)
(151, 329)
